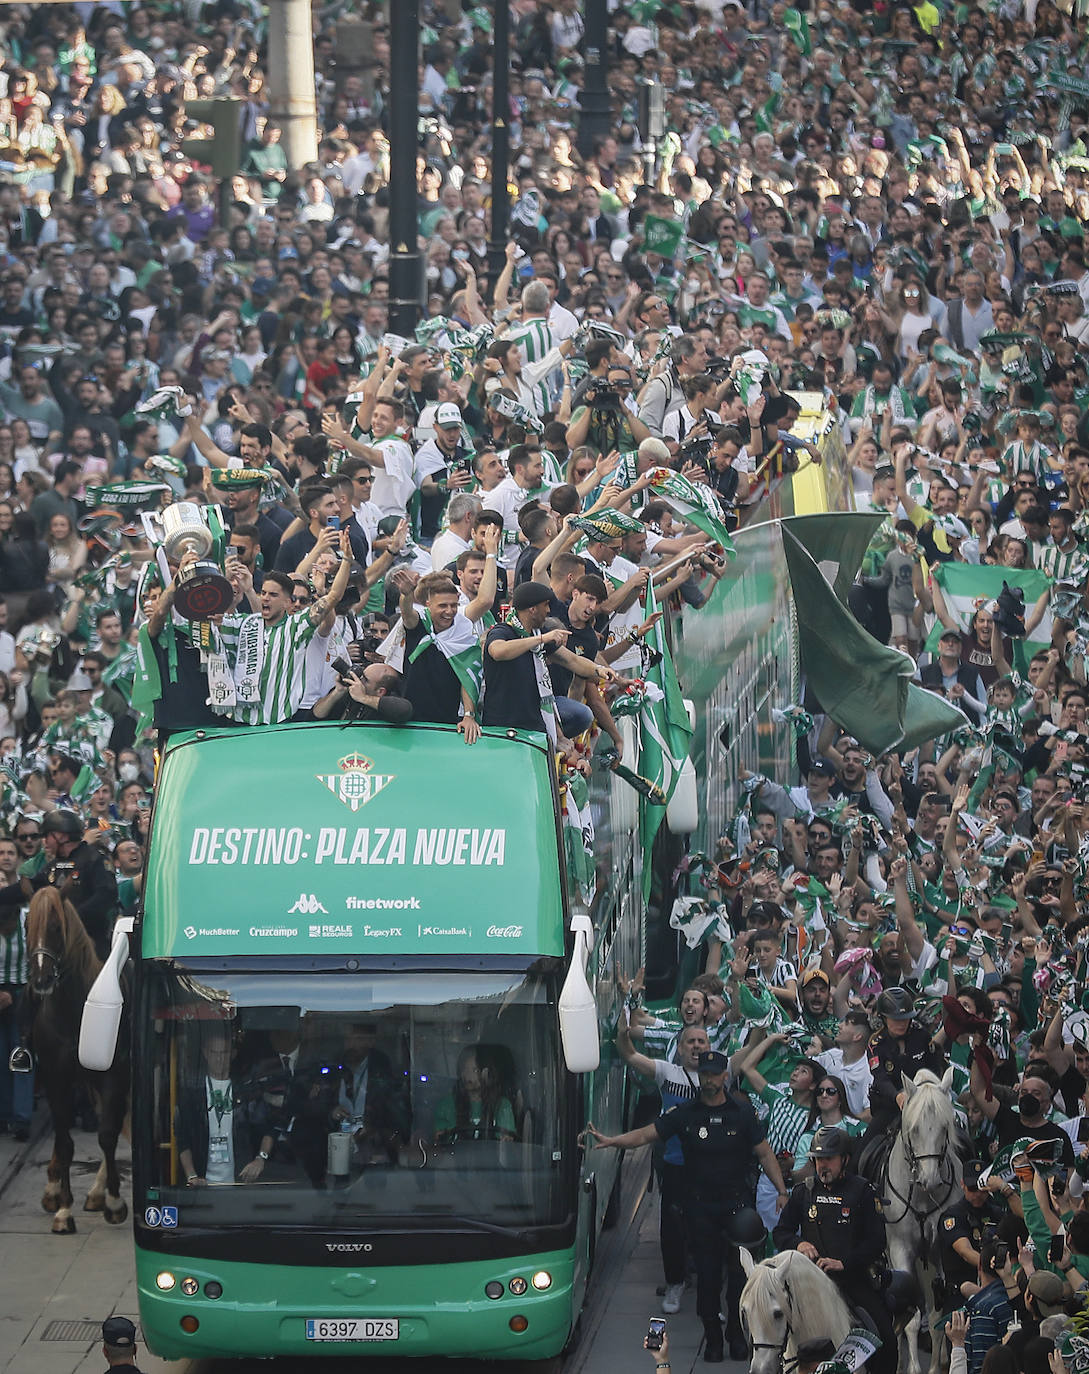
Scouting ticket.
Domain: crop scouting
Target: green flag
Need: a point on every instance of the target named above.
(837, 543)
(863, 685)
(965, 585)
(664, 735)
(662, 236)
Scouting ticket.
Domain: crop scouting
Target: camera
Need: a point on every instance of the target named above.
(601, 396)
(697, 451)
(369, 643)
(342, 667)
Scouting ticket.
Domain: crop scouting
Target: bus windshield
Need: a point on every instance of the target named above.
(430, 1098)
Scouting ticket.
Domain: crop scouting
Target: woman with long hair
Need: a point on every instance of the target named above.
(67, 551)
(830, 1108)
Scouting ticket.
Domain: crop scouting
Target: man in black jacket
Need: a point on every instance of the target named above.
(960, 682)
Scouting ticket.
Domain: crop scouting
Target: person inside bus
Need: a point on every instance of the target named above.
(370, 1102)
(219, 1140)
(478, 1108)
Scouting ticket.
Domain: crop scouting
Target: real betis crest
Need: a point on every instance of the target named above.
(355, 785)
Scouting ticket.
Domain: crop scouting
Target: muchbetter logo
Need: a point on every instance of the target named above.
(190, 932)
(307, 904)
(356, 784)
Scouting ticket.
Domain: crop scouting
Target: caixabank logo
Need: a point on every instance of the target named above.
(356, 784)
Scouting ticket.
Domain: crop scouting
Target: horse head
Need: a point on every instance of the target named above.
(928, 1131)
(55, 938)
(787, 1300)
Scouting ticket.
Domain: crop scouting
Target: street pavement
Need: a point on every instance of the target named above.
(80, 1279)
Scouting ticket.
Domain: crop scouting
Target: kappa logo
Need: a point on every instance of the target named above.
(355, 785)
(307, 904)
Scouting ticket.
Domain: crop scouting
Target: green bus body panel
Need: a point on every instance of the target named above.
(321, 839)
(442, 1309)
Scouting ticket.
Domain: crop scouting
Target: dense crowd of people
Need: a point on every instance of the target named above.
(883, 205)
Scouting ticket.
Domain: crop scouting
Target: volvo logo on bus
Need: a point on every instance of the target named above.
(342, 1247)
(356, 785)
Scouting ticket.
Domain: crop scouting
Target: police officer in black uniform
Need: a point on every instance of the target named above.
(119, 1345)
(836, 1221)
(960, 1235)
(903, 1047)
(722, 1141)
(81, 875)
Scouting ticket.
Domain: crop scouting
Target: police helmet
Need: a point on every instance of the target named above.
(62, 821)
(828, 1142)
(746, 1228)
(897, 1003)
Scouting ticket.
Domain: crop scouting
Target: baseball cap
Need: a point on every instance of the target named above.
(711, 1061)
(530, 594)
(447, 414)
(972, 1171)
(810, 975)
(119, 1332)
(823, 767)
(1049, 1290)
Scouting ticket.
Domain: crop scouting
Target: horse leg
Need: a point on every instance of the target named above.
(903, 1248)
(59, 1188)
(96, 1198)
(111, 1117)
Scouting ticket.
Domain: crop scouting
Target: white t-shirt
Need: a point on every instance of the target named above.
(856, 1078)
(393, 484)
(508, 498)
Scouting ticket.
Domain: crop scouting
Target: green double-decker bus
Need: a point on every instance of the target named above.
(351, 958)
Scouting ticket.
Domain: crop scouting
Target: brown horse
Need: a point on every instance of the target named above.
(62, 967)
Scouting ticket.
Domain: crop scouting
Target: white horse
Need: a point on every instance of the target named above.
(919, 1181)
(787, 1300)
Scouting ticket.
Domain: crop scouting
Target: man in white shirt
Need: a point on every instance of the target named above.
(387, 453)
(848, 1062)
(458, 535)
(525, 483)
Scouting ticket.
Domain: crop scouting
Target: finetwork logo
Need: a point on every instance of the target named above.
(356, 785)
(307, 904)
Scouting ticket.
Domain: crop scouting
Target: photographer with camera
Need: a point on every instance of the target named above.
(362, 694)
(606, 420)
(692, 424)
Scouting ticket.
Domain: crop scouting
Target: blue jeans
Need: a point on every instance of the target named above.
(574, 716)
(16, 1089)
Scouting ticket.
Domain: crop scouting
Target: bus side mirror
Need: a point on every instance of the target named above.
(578, 1010)
(102, 1011)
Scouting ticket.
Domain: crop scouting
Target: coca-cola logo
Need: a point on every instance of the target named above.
(504, 932)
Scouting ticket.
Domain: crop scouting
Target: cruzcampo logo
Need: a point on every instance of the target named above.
(356, 784)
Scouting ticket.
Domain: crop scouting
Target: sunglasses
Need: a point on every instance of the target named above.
(827, 1092)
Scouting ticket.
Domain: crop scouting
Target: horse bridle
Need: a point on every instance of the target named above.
(57, 969)
(785, 1364)
(914, 1161)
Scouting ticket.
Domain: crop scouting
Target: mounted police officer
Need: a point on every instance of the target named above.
(81, 875)
(835, 1220)
(903, 1047)
(721, 1139)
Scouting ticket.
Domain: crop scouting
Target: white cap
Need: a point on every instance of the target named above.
(80, 682)
(447, 414)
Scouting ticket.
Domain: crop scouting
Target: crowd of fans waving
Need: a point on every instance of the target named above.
(477, 525)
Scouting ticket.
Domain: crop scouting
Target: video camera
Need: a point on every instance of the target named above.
(600, 396)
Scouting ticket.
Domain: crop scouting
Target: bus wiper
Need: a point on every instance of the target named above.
(478, 1224)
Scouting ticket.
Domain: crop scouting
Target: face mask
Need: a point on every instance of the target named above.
(460, 255)
(128, 772)
(263, 284)
(1028, 1104)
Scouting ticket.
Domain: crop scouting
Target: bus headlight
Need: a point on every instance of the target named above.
(165, 1281)
(542, 1280)
(213, 1289)
(493, 1289)
(189, 1286)
(518, 1324)
(517, 1287)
